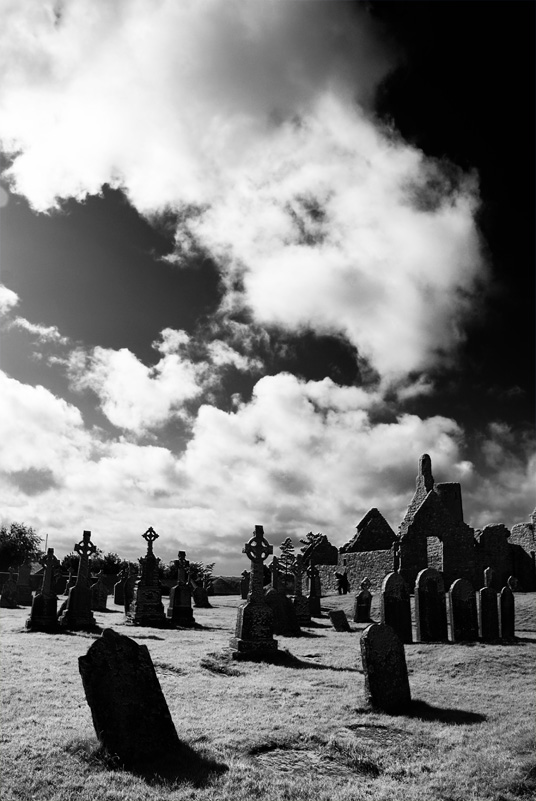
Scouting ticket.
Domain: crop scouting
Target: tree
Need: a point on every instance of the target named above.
(286, 560)
(201, 573)
(310, 539)
(111, 563)
(18, 543)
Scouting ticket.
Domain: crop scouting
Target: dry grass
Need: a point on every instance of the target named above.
(297, 731)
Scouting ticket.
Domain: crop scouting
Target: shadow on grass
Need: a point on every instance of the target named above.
(181, 764)
(284, 658)
(424, 711)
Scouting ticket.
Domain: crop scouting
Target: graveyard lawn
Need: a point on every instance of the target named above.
(297, 730)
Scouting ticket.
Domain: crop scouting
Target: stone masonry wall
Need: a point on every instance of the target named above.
(373, 564)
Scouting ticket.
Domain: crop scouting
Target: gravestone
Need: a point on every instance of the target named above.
(430, 606)
(362, 604)
(507, 615)
(24, 591)
(146, 607)
(130, 584)
(254, 634)
(43, 615)
(129, 711)
(99, 594)
(119, 586)
(76, 611)
(285, 620)
(8, 597)
(71, 581)
(463, 612)
(244, 584)
(60, 581)
(384, 665)
(200, 597)
(179, 611)
(314, 595)
(490, 578)
(395, 607)
(300, 602)
(489, 615)
(514, 584)
(339, 620)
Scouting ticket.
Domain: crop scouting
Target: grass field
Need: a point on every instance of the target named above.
(274, 732)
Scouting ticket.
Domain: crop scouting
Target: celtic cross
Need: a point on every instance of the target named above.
(150, 536)
(258, 550)
(85, 548)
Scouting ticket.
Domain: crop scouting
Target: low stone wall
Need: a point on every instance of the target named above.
(373, 564)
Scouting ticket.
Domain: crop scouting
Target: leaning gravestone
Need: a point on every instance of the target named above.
(179, 611)
(99, 594)
(489, 615)
(76, 611)
(129, 711)
(24, 591)
(463, 612)
(339, 621)
(146, 608)
(254, 634)
(8, 597)
(395, 608)
(300, 602)
(507, 615)
(43, 616)
(384, 666)
(430, 606)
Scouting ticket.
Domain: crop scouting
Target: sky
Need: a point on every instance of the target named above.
(256, 257)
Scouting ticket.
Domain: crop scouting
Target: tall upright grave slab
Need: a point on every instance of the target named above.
(43, 615)
(130, 585)
(488, 622)
(8, 596)
(301, 603)
(129, 711)
(99, 593)
(384, 665)
(76, 613)
(254, 632)
(285, 621)
(179, 611)
(244, 584)
(507, 622)
(314, 595)
(463, 612)
(362, 603)
(430, 606)
(24, 590)
(395, 606)
(146, 608)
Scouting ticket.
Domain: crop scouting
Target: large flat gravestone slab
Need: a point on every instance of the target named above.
(395, 607)
(463, 611)
(384, 665)
(489, 615)
(507, 615)
(430, 606)
(339, 620)
(129, 711)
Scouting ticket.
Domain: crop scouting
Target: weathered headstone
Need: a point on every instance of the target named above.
(43, 616)
(254, 632)
(200, 596)
(244, 584)
(8, 596)
(362, 604)
(24, 591)
(130, 584)
(99, 593)
(489, 615)
(463, 612)
(119, 586)
(314, 596)
(179, 611)
(71, 581)
(490, 578)
(60, 581)
(507, 615)
(384, 665)
(129, 711)
(146, 608)
(395, 607)
(301, 603)
(514, 584)
(76, 611)
(339, 620)
(430, 606)
(285, 620)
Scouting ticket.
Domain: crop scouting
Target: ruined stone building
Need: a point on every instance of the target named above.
(432, 533)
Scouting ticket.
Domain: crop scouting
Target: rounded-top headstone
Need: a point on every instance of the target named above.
(463, 611)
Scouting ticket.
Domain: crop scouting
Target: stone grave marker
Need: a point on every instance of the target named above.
(339, 620)
(60, 581)
(507, 615)
(254, 632)
(314, 595)
(430, 606)
(489, 615)
(71, 581)
(130, 584)
(301, 603)
(363, 601)
(119, 586)
(43, 615)
(129, 711)
(179, 611)
(285, 620)
(514, 584)
(146, 608)
(8, 597)
(24, 590)
(384, 665)
(76, 611)
(244, 584)
(99, 593)
(395, 608)
(490, 578)
(463, 612)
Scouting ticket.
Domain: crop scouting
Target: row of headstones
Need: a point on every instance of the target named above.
(142, 595)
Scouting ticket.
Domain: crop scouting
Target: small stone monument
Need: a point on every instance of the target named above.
(463, 612)
(8, 596)
(129, 711)
(489, 615)
(507, 615)
(339, 620)
(24, 590)
(146, 608)
(179, 611)
(314, 596)
(76, 611)
(254, 633)
(119, 586)
(43, 616)
(200, 595)
(71, 581)
(285, 620)
(430, 606)
(384, 665)
(395, 608)
(130, 584)
(244, 584)
(363, 601)
(99, 593)
(301, 603)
